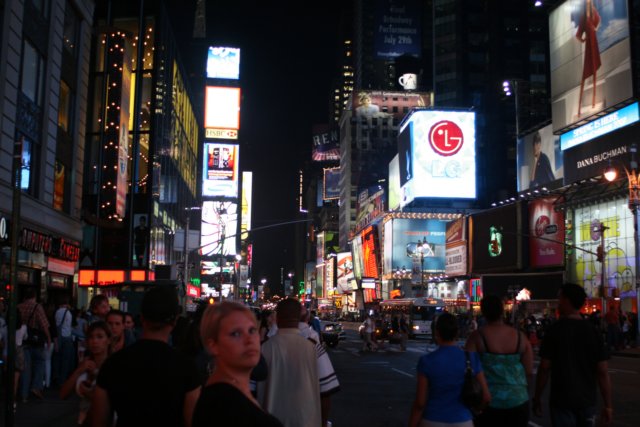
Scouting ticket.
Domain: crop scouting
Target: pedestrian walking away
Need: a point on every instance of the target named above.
(573, 355)
(148, 383)
(507, 360)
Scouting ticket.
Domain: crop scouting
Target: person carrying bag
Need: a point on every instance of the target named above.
(36, 337)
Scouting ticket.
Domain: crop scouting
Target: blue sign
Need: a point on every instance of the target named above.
(397, 28)
(407, 233)
(614, 121)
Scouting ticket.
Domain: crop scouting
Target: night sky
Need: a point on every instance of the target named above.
(289, 58)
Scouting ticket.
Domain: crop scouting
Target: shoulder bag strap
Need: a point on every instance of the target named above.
(63, 317)
(33, 312)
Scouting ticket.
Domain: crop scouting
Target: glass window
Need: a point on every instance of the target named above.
(25, 168)
(64, 106)
(41, 6)
(70, 31)
(32, 74)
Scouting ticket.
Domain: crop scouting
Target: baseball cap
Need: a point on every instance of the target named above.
(160, 304)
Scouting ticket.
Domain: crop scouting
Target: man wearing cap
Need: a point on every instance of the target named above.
(148, 383)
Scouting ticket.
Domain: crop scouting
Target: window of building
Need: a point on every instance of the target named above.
(70, 30)
(32, 74)
(64, 106)
(26, 163)
(42, 6)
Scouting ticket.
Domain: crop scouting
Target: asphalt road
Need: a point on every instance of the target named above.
(378, 387)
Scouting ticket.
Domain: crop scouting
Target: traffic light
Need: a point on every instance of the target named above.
(600, 254)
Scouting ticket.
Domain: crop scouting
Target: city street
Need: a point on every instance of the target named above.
(378, 387)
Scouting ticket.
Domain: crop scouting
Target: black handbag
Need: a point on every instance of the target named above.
(35, 337)
(472, 396)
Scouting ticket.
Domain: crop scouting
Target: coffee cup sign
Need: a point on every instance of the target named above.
(408, 81)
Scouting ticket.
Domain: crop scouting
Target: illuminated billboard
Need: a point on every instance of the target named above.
(219, 228)
(223, 63)
(370, 206)
(619, 249)
(221, 112)
(331, 184)
(220, 170)
(539, 159)
(356, 252)
(247, 191)
(404, 243)
(397, 28)
(387, 105)
(546, 234)
(394, 183)
(496, 236)
(326, 144)
(589, 59)
(370, 252)
(345, 272)
(437, 155)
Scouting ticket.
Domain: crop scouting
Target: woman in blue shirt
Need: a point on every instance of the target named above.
(440, 380)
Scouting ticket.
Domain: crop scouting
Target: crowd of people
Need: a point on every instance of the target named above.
(500, 357)
(220, 366)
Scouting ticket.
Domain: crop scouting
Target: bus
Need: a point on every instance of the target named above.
(419, 312)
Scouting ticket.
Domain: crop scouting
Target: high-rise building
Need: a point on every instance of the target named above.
(137, 183)
(44, 57)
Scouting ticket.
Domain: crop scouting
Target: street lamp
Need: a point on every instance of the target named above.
(508, 91)
(610, 174)
(422, 247)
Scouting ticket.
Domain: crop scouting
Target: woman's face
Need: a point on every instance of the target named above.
(98, 341)
(238, 342)
(128, 322)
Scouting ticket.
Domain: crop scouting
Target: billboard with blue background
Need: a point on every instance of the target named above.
(405, 235)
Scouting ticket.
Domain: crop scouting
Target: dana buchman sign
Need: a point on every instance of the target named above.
(589, 58)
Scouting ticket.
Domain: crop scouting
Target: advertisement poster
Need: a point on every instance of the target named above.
(370, 252)
(329, 275)
(407, 233)
(589, 59)
(546, 234)
(123, 138)
(247, 189)
(441, 159)
(219, 228)
(320, 254)
(356, 252)
(397, 28)
(370, 206)
(539, 159)
(326, 144)
(331, 183)
(497, 239)
(345, 272)
(58, 186)
(220, 172)
(221, 108)
(394, 183)
(619, 249)
(223, 63)
(377, 104)
(456, 259)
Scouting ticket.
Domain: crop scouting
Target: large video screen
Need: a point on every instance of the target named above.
(222, 108)
(397, 28)
(223, 63)
(220, 170)
(441, 160)
(331, 184)
(589, 59)
(539, 159)
(345, 272)
(546, 234)
(406, 234)
(219, 228)
(370, 252)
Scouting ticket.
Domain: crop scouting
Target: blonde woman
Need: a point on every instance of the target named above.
(229, 332)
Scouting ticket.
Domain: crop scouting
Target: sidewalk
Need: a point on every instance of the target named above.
(49, 412)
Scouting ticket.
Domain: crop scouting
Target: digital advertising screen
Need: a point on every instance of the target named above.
(247, 192)
(326, 144)
(394, 183)
(370, 252)
(387, 105)
(345, 272)
(220, 170)
(397, 28)
(219, 228)
(331, 184)
(223, 63)
(619, 248)
(356, 252)
(221, 111)
(497, 239)
(539, 159)
(370, 206)
(406, 235)
(441, 159)
(546, 234)
(589, 59)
